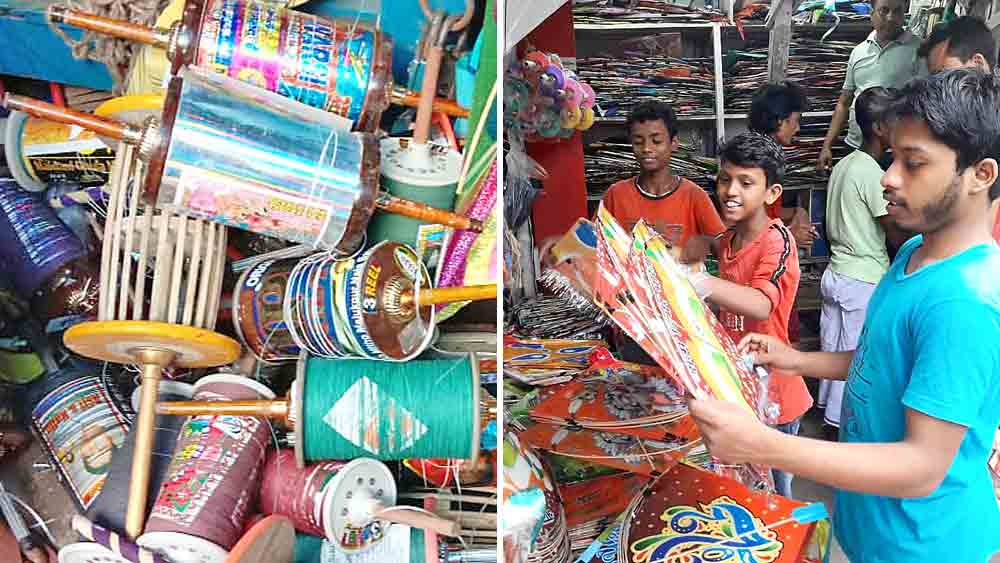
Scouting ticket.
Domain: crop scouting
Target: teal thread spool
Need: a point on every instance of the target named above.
(346, 409)
(424, 173)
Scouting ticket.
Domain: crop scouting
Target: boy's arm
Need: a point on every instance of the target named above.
(740, 299)
(913, 467)
(763, 291)
(770, 352)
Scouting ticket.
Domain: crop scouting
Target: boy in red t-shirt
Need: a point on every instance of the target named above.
(676, 207)
(759, 266)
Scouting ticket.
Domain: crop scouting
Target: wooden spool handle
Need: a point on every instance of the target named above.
(419, 520)
(108, 26)
(265, 409)
(448, 107)
(426, 213)
(439, 295)
(106, 127)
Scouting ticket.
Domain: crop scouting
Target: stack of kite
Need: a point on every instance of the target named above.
(649, 296)
(605, 13)
(606, 163)
(624, 80)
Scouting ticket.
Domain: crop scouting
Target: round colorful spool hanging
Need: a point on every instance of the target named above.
(41, 152)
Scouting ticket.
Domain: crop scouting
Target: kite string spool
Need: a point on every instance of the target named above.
(342, 398)
(212, 479)
(296, 492)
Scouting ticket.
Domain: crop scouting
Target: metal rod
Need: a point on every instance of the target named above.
(426, 213)
(441, 295)
(108, 26)
(106, 127)
(153, 362)
(267, 409)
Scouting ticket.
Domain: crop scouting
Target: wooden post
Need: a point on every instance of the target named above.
(777, 47)
(720, 101)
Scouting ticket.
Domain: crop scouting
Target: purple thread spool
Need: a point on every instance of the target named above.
(36, 243)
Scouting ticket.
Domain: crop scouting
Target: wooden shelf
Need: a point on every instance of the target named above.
(708, 117)
(594, 28)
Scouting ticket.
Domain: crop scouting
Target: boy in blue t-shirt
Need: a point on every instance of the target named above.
(923, 387)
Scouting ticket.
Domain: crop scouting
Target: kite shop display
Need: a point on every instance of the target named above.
(247, 318)
(602, 461)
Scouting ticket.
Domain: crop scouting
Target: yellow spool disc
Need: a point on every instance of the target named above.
(118, 342)
(571, 117)
(587, 120)
(128, 104)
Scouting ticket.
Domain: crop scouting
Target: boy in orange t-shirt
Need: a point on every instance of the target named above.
(759, 266)
(676, 207)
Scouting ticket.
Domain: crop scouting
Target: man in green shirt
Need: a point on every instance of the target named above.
(858, 229)
(887, 57)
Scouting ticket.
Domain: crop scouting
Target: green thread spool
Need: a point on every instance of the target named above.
(424, 173)
(386, 410)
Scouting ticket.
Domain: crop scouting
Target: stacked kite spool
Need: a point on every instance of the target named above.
(324, 416)
(544, 100)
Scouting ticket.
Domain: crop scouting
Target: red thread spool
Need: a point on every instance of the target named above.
(316, 497)
(211, 483)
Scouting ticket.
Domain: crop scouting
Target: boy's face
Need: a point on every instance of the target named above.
(923, 187)
(788, 128)
(743, 191)
(652, 145)
(939, 59)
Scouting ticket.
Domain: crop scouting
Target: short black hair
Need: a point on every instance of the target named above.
(966, 36)
(959, 107)
(754, 150)
(869, 107)
(774, 102)
(652, 111)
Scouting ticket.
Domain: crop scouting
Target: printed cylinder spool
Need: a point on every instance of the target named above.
(36, 243)
(330, 487)
(258, 313)
(335, 65)
(41, 152)
(253, 160)
(373, 287)
(344, 409)
(428, 174)
(212, 479)
(108, 510)
(81, 426)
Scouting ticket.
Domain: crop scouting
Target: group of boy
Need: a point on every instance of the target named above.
(914, 340)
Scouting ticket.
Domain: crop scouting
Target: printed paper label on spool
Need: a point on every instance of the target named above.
(245, 205)
(395, 547)
(259, 317)
(186, 490)
(430, 239)
(82, 429)
(59, 152)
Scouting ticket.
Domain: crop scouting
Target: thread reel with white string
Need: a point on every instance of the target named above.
(378, 305)
(230, 153)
